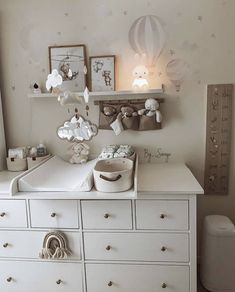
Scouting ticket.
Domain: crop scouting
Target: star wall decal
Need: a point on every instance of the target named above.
(200, 18)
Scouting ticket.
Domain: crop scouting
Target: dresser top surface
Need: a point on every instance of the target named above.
(151, 179)
(6, 178)
(171, 178)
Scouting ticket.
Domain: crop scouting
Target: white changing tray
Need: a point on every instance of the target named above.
(57, 175)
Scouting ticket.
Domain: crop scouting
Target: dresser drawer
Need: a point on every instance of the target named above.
(110, 214)
(162, 214)
(40, 277)
(137, 278)
(13, 214)
(54, 213)
(137, 246)
(28, 244)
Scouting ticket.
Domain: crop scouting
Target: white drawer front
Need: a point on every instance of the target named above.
(13, 214)
(40, 277)
(162, 214)
(107, 214)
(28, 244)
(54, 213)
(136, 278)
(137, 246)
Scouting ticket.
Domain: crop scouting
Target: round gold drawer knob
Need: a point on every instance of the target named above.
(163, 248)
(108, 247)
(110, 283)
(53, 215)
(162, 216)
(2, 214)
(5, 245)
(9, 279)
(58, 282)
(164, 285)
(106, 215)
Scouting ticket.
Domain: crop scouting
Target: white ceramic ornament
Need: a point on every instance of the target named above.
(53, 80)
(86, 95)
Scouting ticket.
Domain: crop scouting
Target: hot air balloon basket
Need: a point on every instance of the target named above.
(55, 246)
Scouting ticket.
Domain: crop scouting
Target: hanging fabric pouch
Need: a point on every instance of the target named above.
(148, 123)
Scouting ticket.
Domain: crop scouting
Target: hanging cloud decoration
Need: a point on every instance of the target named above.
(176, 71)
(53, 80)
(77, 130)
(69, 98)
(147, 37)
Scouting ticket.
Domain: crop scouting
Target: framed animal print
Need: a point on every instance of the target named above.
(102, 73)
(70, 62)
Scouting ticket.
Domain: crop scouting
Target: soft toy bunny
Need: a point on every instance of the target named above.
(140, 74)
(151, 109)
(80, 153)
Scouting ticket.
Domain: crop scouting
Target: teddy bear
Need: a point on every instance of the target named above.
(80, 153)
(127, 112)
(123, 120)
(151, 109)
(109, 111)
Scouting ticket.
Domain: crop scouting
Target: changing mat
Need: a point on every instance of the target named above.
(57, 175)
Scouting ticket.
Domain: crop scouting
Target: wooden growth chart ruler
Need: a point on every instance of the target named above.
(218, 138)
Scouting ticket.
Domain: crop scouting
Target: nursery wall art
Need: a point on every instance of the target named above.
(70, 62)
(102, 70)
(147, 37)
(176, 71)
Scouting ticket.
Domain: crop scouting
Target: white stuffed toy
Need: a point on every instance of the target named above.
(151, 109)
(80, 153)
(140, 74)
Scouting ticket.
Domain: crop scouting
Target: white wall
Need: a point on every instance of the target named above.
(199, 31)
(2, 139)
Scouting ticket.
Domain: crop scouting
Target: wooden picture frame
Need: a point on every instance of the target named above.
(70, 61)
(102, 73)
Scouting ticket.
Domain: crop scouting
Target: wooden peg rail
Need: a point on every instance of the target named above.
(218, 138)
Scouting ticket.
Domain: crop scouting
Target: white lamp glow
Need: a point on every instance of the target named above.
(140, 74)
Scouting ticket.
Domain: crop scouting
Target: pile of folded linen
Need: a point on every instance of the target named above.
(117, 151)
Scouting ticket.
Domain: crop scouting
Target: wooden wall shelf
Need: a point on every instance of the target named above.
(109, 95)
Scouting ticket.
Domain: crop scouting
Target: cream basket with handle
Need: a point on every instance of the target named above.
(113, 175)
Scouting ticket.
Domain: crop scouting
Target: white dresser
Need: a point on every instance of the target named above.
(143, 244)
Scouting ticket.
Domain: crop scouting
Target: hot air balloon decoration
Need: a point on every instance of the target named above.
(147, 37)
(176, 71)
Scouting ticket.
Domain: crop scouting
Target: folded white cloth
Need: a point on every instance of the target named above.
(116, 151)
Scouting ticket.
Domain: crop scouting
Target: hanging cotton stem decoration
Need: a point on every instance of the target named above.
(55, 246)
